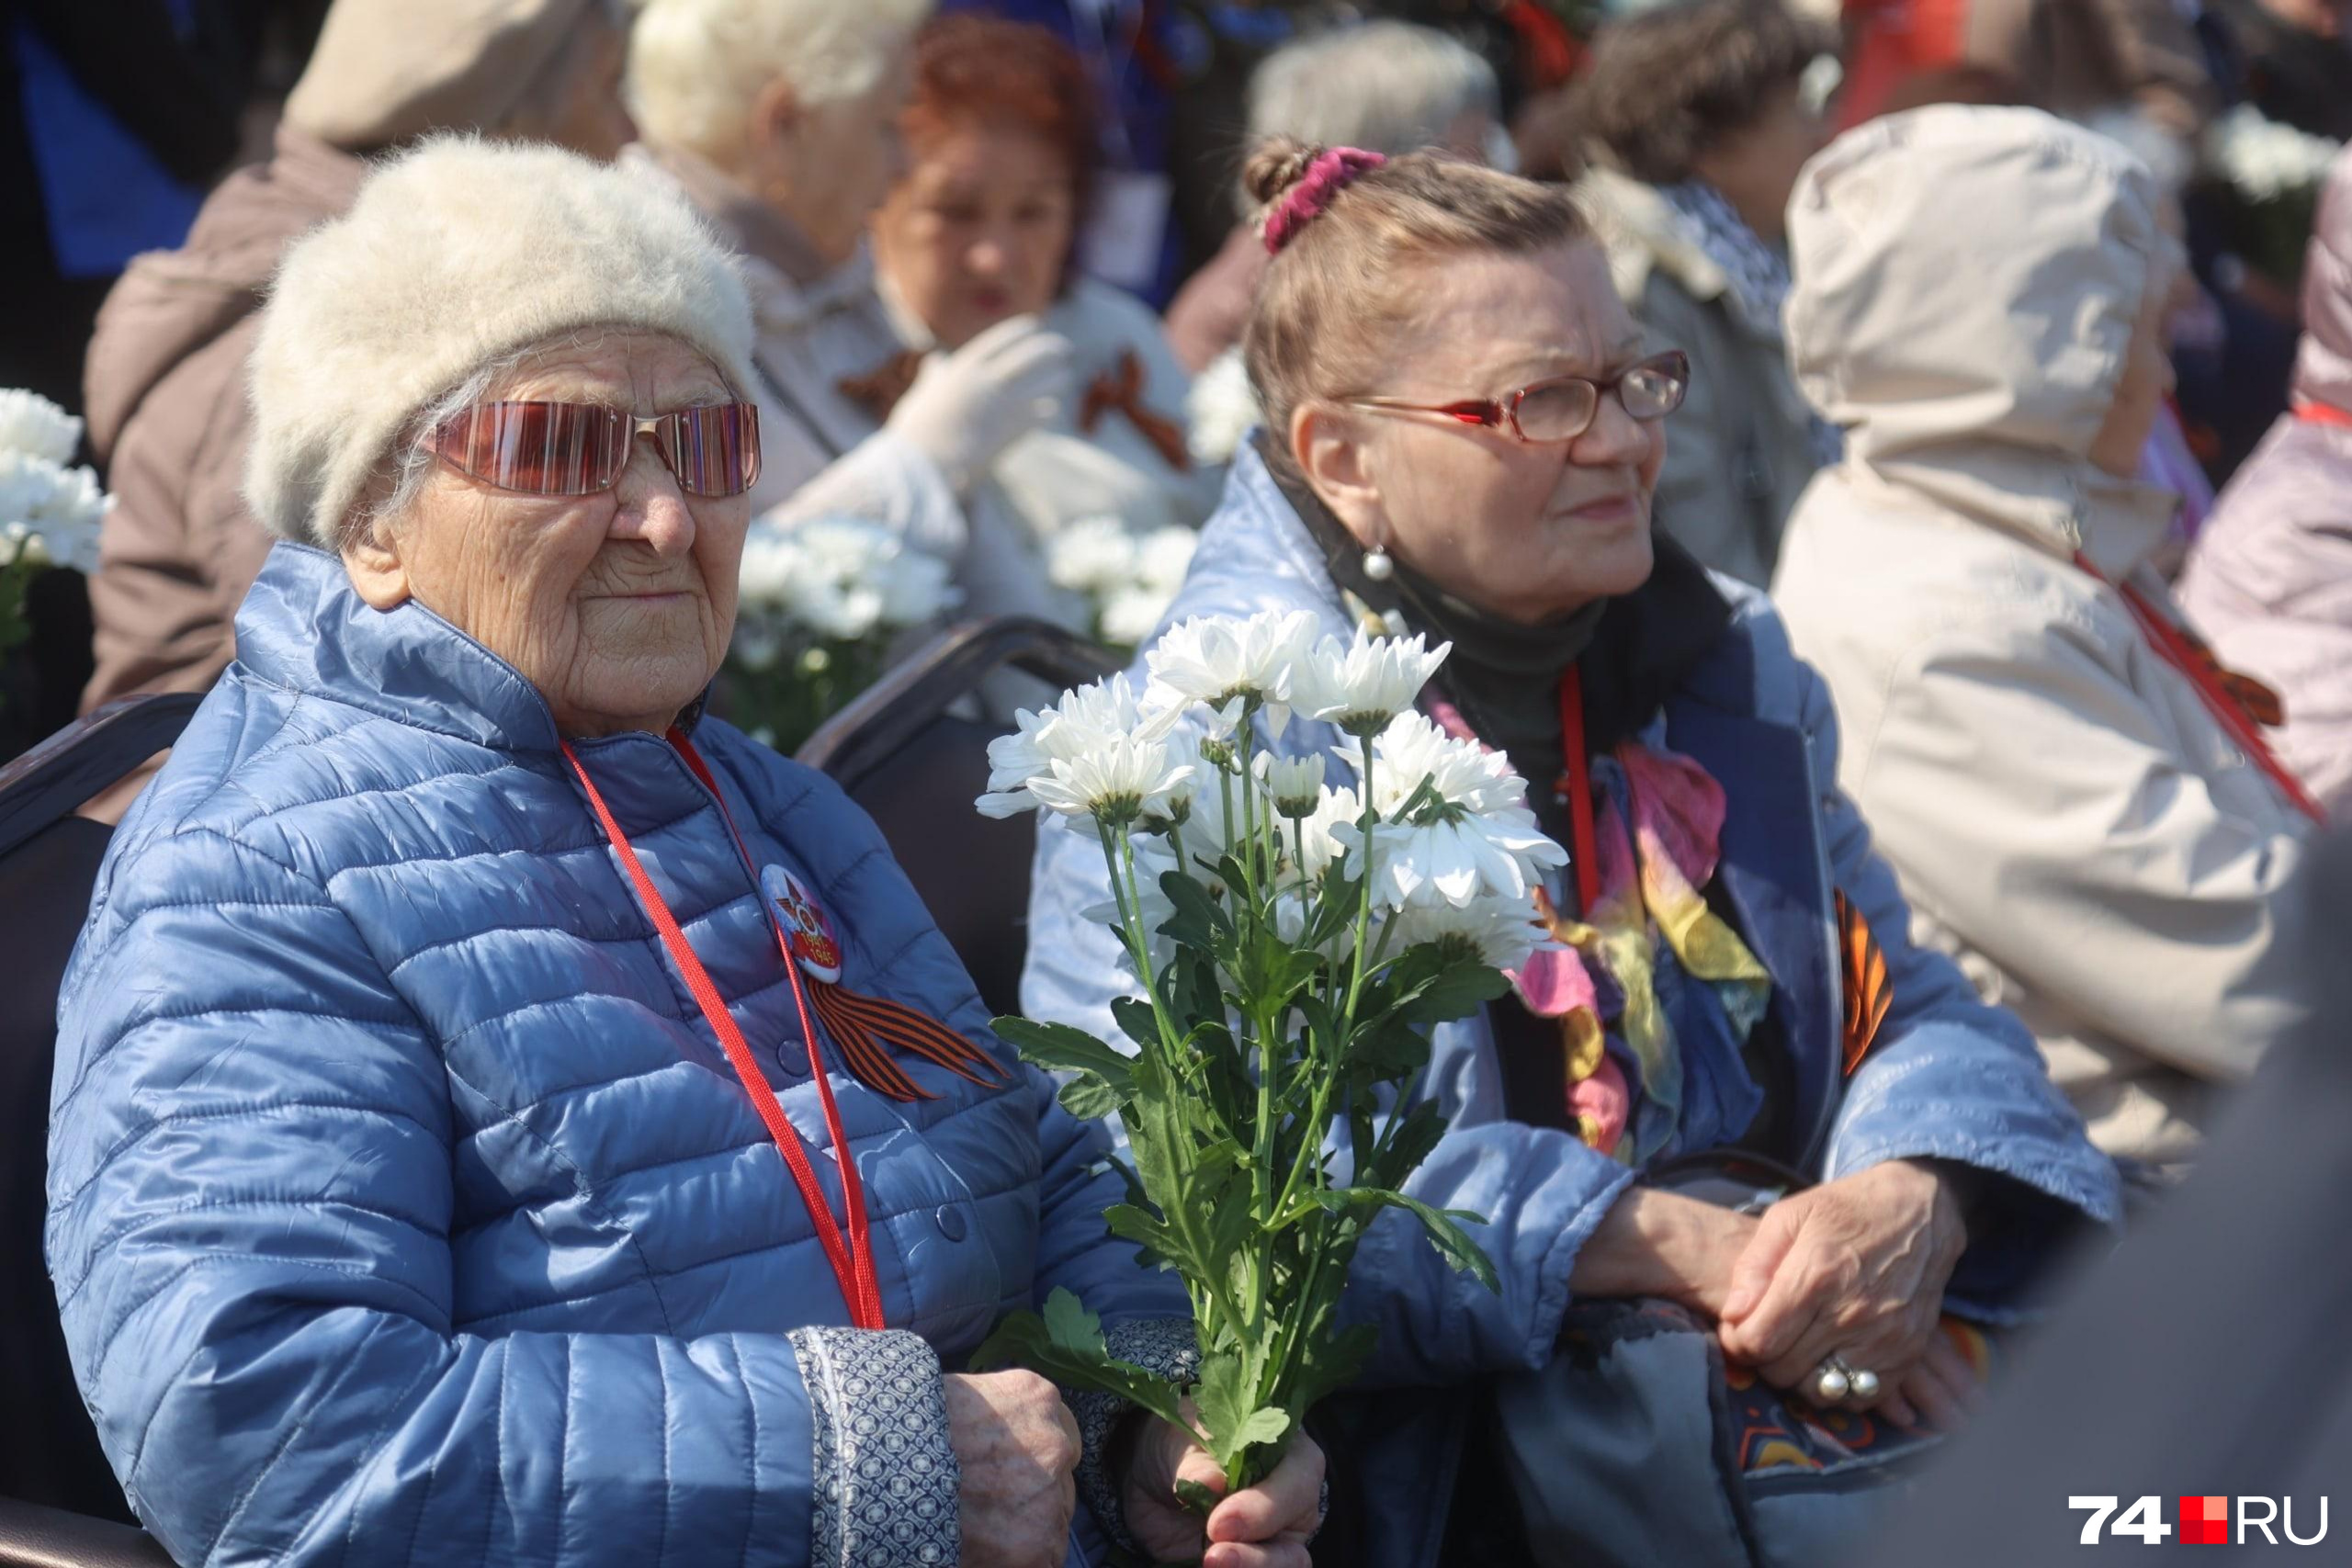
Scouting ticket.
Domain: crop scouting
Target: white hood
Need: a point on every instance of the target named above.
(1966, 285)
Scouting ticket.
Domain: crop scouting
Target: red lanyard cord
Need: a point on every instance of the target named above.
(2324, 413)
(851, 1258)
(1576, 781)
(2174, 647)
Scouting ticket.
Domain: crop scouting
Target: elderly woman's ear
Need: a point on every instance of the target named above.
(371, 559)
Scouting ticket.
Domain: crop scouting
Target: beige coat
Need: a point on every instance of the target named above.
(164, 385)
(1739, 450)
(2064, 812)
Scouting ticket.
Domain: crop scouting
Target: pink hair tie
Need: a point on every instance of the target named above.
(1325, 177)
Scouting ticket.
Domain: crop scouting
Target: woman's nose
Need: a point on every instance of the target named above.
(1614, 436)
(986, 258)
(652, 505)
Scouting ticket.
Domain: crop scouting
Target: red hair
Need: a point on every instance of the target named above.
(972, 69)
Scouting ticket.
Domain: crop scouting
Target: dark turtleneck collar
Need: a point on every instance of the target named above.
(1634, 650)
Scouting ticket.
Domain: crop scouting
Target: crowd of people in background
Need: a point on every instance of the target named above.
(1961, 387)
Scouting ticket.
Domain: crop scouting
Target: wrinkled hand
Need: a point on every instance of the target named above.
(1940, 1390)
(1856, 1267)
(967, 407)
(1017, 1446)
(1265, 1525)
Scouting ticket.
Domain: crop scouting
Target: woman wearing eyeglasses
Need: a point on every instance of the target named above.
(1463, 431)
(500, 1113)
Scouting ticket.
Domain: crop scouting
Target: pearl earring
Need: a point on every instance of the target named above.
(1376, 564)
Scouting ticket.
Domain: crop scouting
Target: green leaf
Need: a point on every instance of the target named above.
(1456, 991)
(1196, 1497)
(1390, 1050)
(1088, 1098)
(1065, 1345)
(1138, 1021)
(1409, 1146)
(1452, 1243)
(1197, 922)
(1231, 1417)
(1328, 1363)
(1057, 1047)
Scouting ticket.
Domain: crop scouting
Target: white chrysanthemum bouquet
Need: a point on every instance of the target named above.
(1129, 577)
(1294, 937)
(822, 602)
(49, 513)
(2276, 172)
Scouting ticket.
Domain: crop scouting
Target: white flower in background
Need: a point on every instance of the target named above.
(841, 578)
(1209, 658)
(1164, 556)
(31, 424)
(1454, 821)
(1129, 616)
(1499, 931)
(1362, 684)
(1294, 784)
(51, 512)
(1219, 411)
(2266, 160)
(1089, 722)
(1092, 555)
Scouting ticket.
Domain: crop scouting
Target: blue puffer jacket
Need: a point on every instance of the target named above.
(402, 1206)
(1949, 1077)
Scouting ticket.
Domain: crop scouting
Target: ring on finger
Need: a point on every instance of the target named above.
(1836, 1382)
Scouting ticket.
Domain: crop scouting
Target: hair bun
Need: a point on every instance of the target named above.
(1280, 162)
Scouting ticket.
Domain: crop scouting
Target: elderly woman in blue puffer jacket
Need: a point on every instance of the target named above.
(502, 1114)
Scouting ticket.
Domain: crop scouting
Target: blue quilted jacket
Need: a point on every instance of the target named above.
(402, 1207)
(1949, 1079)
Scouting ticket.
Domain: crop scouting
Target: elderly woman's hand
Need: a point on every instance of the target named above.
(1265, 1525)
(967, 407)
(1017, 1447)
(1856, 1267)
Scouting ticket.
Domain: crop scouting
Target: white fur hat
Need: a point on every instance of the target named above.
(456, 254)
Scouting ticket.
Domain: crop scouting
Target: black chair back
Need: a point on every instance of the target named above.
(913, 751)
(48, 861)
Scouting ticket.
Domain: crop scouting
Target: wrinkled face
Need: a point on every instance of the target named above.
(851, 153)
(618, 606)
(1529, 532)
(979, 231)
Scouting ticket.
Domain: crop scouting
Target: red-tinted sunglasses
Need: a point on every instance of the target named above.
(581, 448)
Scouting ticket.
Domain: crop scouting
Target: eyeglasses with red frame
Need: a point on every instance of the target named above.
(1563, 408)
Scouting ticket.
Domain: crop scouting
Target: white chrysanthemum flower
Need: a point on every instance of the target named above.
(33, 426)
(1318, 832)
(1164, 557)
(1092, 555)
(2266, 160)
(1454, 821)
(841, 578)
(916, 588)
(1361, 685)
(1088, 721)
(1129, 615)
(1219, 411)
(1294, 784)
(1497, 932)
(1114, 783)
(48, 497)
(1211, 657)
